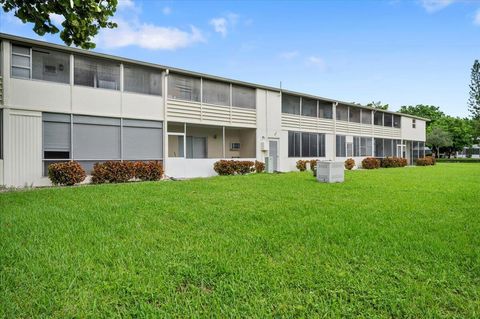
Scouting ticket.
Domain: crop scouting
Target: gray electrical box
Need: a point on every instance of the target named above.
(330, 172)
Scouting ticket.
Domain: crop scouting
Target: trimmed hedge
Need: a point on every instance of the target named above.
(231, 167)
(370, 163)
(458, 160)
(148, 171)
(388, 162)
(259, 167)
(349, 164)
(313, 166)
(113, 172)
(66, 173)
(425, 161)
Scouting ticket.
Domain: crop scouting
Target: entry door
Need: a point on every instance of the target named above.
(273, 155)
(196, 147)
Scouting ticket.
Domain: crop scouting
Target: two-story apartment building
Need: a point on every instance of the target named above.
(59, 103)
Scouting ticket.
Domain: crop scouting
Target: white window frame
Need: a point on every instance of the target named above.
(29, 56)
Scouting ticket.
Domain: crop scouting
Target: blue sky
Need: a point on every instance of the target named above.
(398, 52)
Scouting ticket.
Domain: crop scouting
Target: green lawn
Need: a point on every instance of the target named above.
(386, 243)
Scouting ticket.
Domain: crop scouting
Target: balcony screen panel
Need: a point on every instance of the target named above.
(396, 121)
(20, 50)
(342, 112)
(366, 117)
(378, 147)
(309, 107)
(51, 66)
(354, 114)
(96, 138)
(142, 80)
(182, 87)
(387, 119)
(22, 61)
(243, 97)
(290, 104)
(325, 110)
(216, 92)
(96, 73)
(378, 118)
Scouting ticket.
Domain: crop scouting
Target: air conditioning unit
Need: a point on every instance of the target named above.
(235, 146)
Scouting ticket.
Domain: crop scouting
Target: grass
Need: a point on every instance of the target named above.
(386, 243)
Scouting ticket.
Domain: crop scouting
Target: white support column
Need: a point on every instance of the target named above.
(223, 140)
(334, 116)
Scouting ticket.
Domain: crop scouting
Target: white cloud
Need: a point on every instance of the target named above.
(220, 25)
(57, 19)
(317, 62)
(166, 11)
(476, 19)
(289, 55)
(149, 36)
(131, 31)
(223, 24)
(432, 6)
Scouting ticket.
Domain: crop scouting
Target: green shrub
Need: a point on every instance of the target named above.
(349, 163)
(66, 173)
(425, 161)
(148, 171)
(259, 167)
(370, 163)
(388, 162)
(113, 172)
(231, 167)
(301, 165)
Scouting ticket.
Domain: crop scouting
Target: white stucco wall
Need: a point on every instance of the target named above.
(413, 134)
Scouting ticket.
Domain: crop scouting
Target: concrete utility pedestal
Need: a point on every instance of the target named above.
(330, 172)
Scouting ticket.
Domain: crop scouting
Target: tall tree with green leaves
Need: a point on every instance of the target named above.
(474, 99)
(438, 138)
(82, 18)
(460, 130)
(378, 105)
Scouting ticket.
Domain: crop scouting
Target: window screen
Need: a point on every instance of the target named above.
(142, 140)
(387, 119)
(290, 104)
(183, 87)
(216, 92)
(366, 117)
(396, 121)
(50, 66)
(342, 112)
(325, 110)
(243, 97)
(388, 149)
(142, 80)
(378, 118)
(196, 147)
(293, 144)
(309, 107)
(378, 147)
(96, 73)
(341, 146)
(96, 138)
(354, 114)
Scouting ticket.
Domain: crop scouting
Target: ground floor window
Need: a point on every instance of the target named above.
(92, 139)
(362, 146)
(305, 144)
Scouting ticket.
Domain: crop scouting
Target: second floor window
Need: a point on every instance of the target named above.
(97, 73)
(142, 80)
(40, 64)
